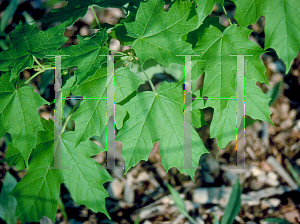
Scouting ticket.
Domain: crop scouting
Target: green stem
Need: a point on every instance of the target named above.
(226, 15)
(36, 74)
(95, 15)
(149, 80)
(70, 115)
(34, 66)
(118, 52)
(62, 208)
(35, 59)
(28, 80)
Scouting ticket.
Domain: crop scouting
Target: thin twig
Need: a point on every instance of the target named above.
(118, 52)
(149, 80)
(70, 115)
(39, 72)
(95, 15)
(226, 15)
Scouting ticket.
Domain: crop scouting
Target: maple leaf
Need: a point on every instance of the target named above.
(158, 117)
(20, 117)
(162, 39)
(37, 193)
(85, 55)
(196, 69)
(90, 117)
(205, 7)
(220, 78)
(126, 82)
(13, 157)
(120, 116)
(282, 30)
(28, 41)
(86, 171)
(78, 8)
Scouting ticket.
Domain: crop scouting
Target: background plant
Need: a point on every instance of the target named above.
(156, 115)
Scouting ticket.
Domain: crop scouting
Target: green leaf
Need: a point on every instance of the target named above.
(37, 193)
(28, 41)
(282, 30)
(179, 202)
(276, 220)
(14, 158)
(126, 82)
(234, 205)
(177, 199)
(248, 11)
(162, 39)
(120, 116)
(2, 131)
(216, 221)
(8, 203)
(205, 7)
(93, 87)
(20, 116)
(8, 14)
(198, 118)
(158, 117)
(193, 36)
(84, 178)
(196, 69)
(274, 93)
(75, 9)
(85, 55)
(90, 119)
(220, 79)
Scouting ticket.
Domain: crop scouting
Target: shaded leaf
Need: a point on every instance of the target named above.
(8, 203)
(28, 41)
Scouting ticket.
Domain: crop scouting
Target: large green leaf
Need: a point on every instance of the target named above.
(78, 8)
(85, 55)
(90, 117)
(37, 193)
(158, 117)
(160, 32)
(20, 116)
(28, 41)
(84, 178)
(220, 79)
(282, 29)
